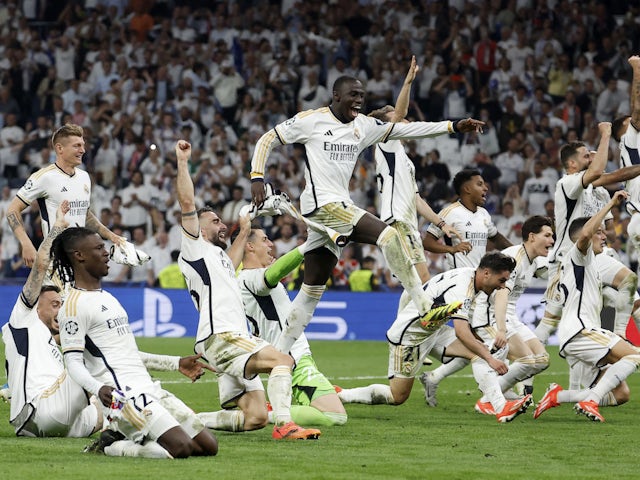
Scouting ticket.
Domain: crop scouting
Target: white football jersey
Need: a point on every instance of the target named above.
(34, 362)
(520, 278)
(475, 228)
(629, 144)
(580, 281)
(396, 176)
(572, 201)
(333, 148)
(212, 283)
(446, 287)
(95, 323)
(50, 186)
(268, 308)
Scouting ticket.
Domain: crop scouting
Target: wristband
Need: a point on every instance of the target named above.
(441, 224)
(454, 125)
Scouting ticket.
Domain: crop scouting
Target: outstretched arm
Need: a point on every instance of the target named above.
(621, 175)
(31, 289)
(402, 102)
(189, 366)
(184, 187)
(425, 211)
(634, 61)
(599, 162)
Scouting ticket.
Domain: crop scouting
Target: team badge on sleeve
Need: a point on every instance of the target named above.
(71, 327)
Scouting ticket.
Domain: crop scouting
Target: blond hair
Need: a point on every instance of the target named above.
(66, 131)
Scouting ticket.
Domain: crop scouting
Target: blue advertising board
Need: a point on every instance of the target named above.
(339, 316)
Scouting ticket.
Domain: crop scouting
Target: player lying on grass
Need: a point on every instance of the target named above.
(410, 342)
(597, 357)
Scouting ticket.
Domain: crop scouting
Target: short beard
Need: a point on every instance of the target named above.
(219, 243)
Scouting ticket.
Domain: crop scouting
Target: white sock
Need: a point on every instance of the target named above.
(397, 259)
(129, 448)
(545, 328)
(519, 369)
(612, 377)
(279, 391)
(447, 369)
(228, 420)
(572, 396)
(302, 308)
(488, 383)
(375, 394)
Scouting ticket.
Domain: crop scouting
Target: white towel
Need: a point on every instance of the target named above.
(127, 254)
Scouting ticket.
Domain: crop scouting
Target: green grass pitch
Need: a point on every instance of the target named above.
(411, 441)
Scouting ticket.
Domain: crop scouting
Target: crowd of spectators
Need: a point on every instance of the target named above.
(140, 74)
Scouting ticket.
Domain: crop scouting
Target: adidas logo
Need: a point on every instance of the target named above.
(468, 224)
(64, 189)
(328, 133)
(104, 309)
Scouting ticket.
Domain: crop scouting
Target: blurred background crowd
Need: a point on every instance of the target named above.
(140, 74)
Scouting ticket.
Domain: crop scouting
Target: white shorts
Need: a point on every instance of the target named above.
(590, 346)
(62, 411)
(488, 335)
(411, 242)
(341, 217)
(229, 352)
(582, 375)
(405, 361)
(515, 326)
(151, 414)
(231, 388)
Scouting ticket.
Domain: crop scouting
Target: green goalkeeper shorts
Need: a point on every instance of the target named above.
(308, 382)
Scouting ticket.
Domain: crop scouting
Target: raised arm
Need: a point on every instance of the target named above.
(184, 187)
(92, 223)
(31, 289)
(599, 162)
(594, 223)
(402, 102)
(634, 61)
(236, 250)
(14, 219)
(258, 163)
(284, 265)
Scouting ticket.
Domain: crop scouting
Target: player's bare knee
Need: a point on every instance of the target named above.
(180, 448)
(206, 443)
(255, 420)
(400, 396)
(622, 393)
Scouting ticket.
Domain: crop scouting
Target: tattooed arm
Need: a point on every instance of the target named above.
(14, 218)
(31, 289)
(92, 223)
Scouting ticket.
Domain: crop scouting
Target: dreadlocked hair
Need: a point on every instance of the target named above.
(62, 248)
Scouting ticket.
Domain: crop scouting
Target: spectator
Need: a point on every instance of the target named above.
(364, 279)
(171, 276)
